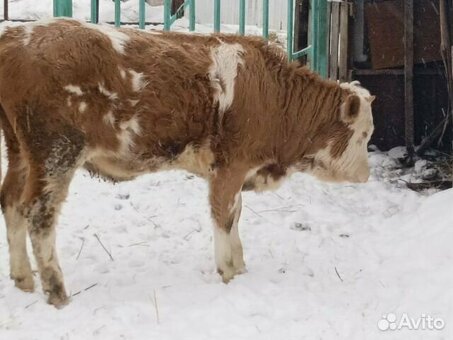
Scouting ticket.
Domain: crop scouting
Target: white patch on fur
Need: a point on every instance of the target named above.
(126, 141)
(354, 87)
(266, 183)
(225, 61)
(122, 72)
(118, 39)
(28, 31)
(107, 93)
(223, 253)
(235, 202)
(4, 26)
(237, 252)
(138, 82)
(344, 168)
(352, 165)
(109, 119)
(252, 172)
(17, 232)
(74, 89)
(131, 124)
(82, 107)
(155, 32)
(228, 248)
(129, 129)
(3, 29)
(30, 26)
(133, 102)
(198, 161)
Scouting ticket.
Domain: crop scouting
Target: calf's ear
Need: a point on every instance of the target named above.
(350, 108)
(371, 99)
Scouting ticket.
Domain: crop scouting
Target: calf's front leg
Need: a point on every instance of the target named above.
(226, 204)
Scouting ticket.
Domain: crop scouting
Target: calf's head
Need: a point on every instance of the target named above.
(344, 155)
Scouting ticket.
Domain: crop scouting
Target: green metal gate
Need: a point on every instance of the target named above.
(316, 51)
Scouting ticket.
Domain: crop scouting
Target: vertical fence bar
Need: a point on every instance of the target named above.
(290, 30)
(314, 34)
(94, 11)
(242, 17)
(266, 19)
(217, 16)
(167, 15)
(192, 15)
(62, 8)
(5, 10)
(141, 14)
(117, 13)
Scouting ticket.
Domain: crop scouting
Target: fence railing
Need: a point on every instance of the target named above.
(316, 51)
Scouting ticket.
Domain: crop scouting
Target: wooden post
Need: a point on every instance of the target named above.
(5, 10)
(301, 27)
(5, 17)
(0, 157)
(297, 23)
(344, 28)
(334, 41)
(446, 50)
(408, 78)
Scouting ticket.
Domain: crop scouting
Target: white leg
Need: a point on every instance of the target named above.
(20, 267)
(235, 241)
(228, 247)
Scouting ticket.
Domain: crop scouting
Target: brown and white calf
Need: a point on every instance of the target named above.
(124, 102)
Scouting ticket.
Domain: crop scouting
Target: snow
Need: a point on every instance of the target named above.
(390, 246)
(324, 261)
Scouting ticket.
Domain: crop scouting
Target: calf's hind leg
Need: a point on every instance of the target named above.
(51, 170)
(41, 208)
(11, 203)
(16, 224)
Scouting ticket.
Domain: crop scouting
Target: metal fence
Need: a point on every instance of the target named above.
(316, 51)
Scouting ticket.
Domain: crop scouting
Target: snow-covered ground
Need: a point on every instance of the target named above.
(324, 262)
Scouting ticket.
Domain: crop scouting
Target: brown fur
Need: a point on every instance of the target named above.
(72, 98)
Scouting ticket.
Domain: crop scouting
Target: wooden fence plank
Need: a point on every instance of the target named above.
(343, 44)
(408, 77)
(334, 40)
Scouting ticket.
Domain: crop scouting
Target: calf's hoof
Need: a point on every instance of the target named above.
(25, 283)
(57, 294)
(241, 270)
(58, 300)
(230, 272)
(226, 274)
